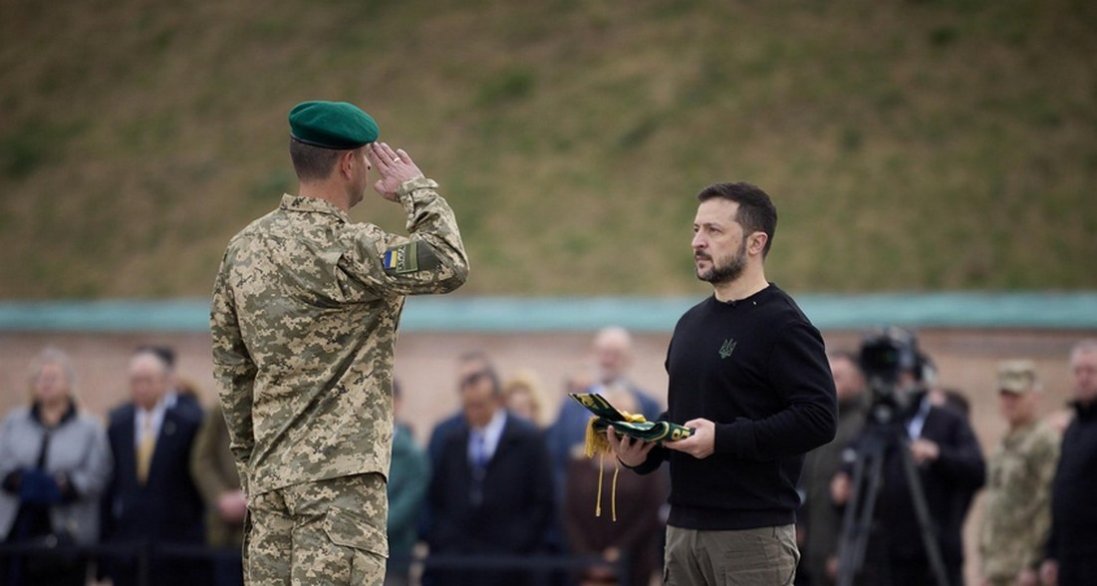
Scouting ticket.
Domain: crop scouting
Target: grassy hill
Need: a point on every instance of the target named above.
(908, 144)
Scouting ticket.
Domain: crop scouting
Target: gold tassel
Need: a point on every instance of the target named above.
(613, 491)
(598, 499)
(596, 443)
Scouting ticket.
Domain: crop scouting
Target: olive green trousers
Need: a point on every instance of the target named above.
(766, 556)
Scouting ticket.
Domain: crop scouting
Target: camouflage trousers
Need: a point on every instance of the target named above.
(327, 532)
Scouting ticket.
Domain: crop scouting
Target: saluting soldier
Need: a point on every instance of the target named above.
(1017, 516)
(304, 315)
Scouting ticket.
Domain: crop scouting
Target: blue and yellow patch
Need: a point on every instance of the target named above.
(401, 259)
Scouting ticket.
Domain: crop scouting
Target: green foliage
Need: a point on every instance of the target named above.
(21, 155)
(507, 86)
(28, 146)
(917, 145)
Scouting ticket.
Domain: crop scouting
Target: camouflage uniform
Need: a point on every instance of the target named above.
(304, 316)
(1017, 515)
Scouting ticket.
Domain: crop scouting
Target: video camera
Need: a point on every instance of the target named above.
(884, 357)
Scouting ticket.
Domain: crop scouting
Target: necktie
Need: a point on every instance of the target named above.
(145, 447)
(479, 451)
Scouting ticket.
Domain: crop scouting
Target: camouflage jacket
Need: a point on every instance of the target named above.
(304, 314)
(1017, 512)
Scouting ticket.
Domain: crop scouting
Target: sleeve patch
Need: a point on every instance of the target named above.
(402, 259)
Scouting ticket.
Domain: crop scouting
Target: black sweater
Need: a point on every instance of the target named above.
(1073, 512)
(757, 368)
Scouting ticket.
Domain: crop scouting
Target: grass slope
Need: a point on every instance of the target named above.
(908, 145)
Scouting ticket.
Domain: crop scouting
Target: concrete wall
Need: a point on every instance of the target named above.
(425, 364)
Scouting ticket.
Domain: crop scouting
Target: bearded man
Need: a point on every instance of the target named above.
(748, 373)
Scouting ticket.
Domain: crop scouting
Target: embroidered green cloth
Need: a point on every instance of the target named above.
(629, 424)
(623, 422)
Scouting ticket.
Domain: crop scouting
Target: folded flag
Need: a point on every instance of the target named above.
(624, 423)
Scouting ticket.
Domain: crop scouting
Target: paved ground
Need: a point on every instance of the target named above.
(425, 366)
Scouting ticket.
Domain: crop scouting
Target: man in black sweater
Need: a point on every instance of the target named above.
(1072, 547)
(748, 373)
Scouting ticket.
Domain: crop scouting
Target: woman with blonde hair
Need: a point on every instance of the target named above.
(523, 397)
(54, 464)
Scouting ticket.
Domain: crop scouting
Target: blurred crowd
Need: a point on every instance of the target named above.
(1039, 522)
(501, 477)
(159, 473)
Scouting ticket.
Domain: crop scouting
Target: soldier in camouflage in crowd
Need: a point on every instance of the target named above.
(304, 316)
(1017, 516)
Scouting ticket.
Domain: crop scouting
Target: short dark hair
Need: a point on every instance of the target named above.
(166, 354)
(156, 353)
(310, 162)
(487, 367)
(756, 211)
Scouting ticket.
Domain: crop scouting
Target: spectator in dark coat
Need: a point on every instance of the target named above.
(629, 544)
(409, 477)
(1072, 547)
(152, 498)
(821, 520)
(491, 493)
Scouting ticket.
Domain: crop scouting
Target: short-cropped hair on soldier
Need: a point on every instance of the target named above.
(312, 163)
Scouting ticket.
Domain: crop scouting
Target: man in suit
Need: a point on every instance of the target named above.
(950, 468)
(151, 499)
(491, 493)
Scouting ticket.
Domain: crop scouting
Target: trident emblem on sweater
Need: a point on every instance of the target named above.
(727, 348)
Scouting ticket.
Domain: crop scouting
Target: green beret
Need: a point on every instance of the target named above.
(332, 125)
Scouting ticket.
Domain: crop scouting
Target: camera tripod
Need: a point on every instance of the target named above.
(881, 435)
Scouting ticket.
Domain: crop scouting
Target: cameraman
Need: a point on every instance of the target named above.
(950, 468)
